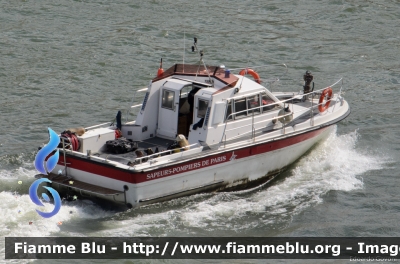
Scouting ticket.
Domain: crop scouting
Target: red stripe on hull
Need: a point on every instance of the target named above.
(112, 172)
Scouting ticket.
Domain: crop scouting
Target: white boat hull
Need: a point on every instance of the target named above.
(231, 169)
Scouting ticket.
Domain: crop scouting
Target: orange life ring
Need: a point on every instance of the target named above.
(321, 107)
(252, 73)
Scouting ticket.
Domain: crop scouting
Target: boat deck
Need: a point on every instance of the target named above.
(143, 146)
(155, 142)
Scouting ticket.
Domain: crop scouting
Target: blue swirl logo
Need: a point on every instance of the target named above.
(45, 167)
(36, 200)
(40, 164)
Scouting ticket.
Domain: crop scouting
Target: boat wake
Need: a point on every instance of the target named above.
(19, 216)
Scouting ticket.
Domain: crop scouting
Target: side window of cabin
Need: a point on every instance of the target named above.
(168, 99)
(201, 112)
(253, 104)
(228, 115)
(240, 108)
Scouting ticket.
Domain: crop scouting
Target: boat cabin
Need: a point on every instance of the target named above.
(206, 105)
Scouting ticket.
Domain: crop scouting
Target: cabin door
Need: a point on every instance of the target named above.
(168, 115)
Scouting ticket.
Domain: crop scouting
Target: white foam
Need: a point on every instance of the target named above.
(17, 174)
(334, 164)
(19, 211)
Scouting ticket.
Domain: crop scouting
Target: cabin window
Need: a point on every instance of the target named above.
(249, 105)
(228, 115)
(185, 91)
(202, 108)
(253, 104)
(240, 108)
(184, 105)
(268, 103)
(168, 99)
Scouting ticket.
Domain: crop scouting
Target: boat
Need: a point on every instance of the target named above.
(198, 128)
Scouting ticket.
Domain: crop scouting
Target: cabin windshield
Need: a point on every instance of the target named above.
(268, 102)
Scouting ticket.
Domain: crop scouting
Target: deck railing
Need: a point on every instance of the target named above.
(288, 101)
(116, 157)
(163, 153)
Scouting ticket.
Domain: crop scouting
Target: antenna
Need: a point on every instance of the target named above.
(201, 53)
(240, 87)
(183, 60)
